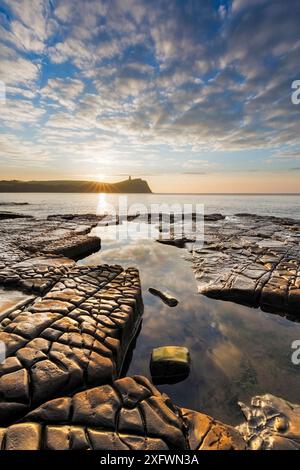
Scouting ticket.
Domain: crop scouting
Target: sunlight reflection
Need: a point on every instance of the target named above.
(102, 204)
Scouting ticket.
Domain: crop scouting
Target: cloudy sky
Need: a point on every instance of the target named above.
(193, 95)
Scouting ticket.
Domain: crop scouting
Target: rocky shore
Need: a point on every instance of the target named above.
(129, 414)
(61, 384)
(246, 258)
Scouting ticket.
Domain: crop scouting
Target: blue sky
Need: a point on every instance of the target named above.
(190, 94)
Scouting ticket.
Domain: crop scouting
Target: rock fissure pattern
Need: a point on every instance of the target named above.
(129, 414)
(248, 259)
(66, 345)
(75, 336)
(22, 238)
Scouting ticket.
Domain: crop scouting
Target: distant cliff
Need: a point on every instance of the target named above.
(136, 185)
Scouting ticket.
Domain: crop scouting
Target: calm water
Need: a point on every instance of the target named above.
(43, 204)
(236, 351)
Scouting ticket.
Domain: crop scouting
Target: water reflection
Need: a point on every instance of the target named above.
(10, 299)
(236, 352)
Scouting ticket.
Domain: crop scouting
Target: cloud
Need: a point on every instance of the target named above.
(16, 70)
(294, 154)
(63, 91)
(16, 114)
(179, 78)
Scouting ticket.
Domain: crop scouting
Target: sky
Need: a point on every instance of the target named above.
(192, 95)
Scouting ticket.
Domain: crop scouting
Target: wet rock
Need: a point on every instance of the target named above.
(271, 423)
(74, 247)
(11, 300)
(12, 215)
(252, 260)
(100, 419)
(164, 296)
(78, 218)
(22, 238)
(205, 433)
(213, 217)
(70, 339)
(248, 259)
(177, 242)
(36, 274)
(169, 364)
(14, 203)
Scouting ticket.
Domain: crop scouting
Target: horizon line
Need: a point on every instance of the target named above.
(152, 193)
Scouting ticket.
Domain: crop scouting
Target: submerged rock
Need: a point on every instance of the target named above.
(169, 364)
(164, 296)
(272, 423)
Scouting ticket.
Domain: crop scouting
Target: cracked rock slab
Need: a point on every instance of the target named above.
(246, 258)
(251, 260)
(36, 274)
(23, 238)
(74, 337)
(129, 414)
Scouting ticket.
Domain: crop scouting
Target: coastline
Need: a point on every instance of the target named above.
(32, 261)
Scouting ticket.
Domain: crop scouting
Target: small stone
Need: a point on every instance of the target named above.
(164, 296)
(169, 364)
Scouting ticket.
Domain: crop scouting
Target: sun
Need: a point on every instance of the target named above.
(101, 178)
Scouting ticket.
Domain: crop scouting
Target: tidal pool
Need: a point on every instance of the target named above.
(236, 351)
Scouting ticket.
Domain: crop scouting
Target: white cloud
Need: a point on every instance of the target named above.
(18, 71)
(64, 91)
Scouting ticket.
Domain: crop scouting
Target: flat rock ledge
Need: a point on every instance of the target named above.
(74, 337)
(23, 238)
(130, 414)
(248, 259)
(251, 260)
